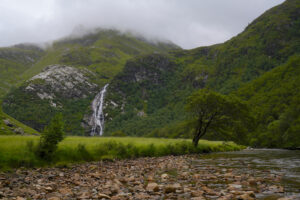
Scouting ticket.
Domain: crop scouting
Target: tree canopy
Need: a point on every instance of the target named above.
(214, 112)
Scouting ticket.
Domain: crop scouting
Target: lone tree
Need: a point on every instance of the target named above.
(216, 112)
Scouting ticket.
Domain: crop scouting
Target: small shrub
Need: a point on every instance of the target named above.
(118, 134)
(51, 136)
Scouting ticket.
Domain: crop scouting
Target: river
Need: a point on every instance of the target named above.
(282, 165)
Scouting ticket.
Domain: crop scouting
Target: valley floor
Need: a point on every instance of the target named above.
(169, 177)
(19, 151)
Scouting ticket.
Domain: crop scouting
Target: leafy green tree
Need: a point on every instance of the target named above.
(51, 136)
(218, 113)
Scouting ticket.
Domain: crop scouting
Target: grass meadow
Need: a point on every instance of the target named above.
(18, 151)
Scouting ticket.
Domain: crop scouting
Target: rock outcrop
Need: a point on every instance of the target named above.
(58, 88)
(61, 81)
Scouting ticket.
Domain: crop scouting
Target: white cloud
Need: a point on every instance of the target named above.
(188, 23)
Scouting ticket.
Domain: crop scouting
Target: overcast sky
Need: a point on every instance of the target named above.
(188, 23)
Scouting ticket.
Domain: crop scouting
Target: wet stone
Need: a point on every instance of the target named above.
(143, 178)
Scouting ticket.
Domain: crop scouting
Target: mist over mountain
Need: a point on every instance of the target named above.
(188, 24)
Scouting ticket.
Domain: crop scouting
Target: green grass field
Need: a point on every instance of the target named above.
(17, 151)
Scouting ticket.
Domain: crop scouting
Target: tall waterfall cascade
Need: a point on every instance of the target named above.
(98, 115)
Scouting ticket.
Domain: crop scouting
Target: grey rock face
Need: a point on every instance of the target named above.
(8, 123)
(63, 81)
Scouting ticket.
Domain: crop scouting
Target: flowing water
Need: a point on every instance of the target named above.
(98, 115)
(262, 163)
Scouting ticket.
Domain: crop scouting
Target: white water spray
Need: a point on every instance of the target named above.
(98, 115)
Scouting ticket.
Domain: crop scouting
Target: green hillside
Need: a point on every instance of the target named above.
(143, 96)
(275, 98)
(104, 52)
(266, 44)
(10, 126)
(14, 61)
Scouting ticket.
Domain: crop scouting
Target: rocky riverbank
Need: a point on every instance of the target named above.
(170, 177)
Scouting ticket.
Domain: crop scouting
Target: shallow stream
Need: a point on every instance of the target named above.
(261, 163)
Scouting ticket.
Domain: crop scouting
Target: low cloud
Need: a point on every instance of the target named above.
(189, 24)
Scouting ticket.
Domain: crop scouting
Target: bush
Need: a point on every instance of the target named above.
(51, 136)
(118, 134)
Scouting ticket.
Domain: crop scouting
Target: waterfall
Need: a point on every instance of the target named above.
(98, 115)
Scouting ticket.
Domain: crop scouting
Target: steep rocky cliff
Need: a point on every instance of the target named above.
(59, 88)
(61, 81)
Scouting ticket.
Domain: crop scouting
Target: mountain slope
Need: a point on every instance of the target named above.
(147, 84)
(10, 126)
(275, 97)
(103, 51)
(95, 58)
(266, 43)
(14, 61)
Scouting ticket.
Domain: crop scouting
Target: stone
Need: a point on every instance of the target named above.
(150, 178)
(184, 174)
(8, 123)
(65, 191)
(84, 195)
(54, 198)
(152, 187)
(276, 189)
(141, 196)
(197, 193)
(19, 131)
(197, 198)
(236, 186)
(280, 189)
(170, 189)
(196, 176)
(164, 176)
(131, 179)
(186, 190)
(49, 189)
(252, 182)
(246, 197)
(177, 186)
(103, 196)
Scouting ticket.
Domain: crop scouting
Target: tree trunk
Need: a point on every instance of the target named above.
(195, 141)
(196, 138)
